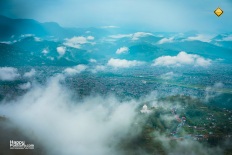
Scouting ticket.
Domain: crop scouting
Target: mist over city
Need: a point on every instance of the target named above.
(115, 77)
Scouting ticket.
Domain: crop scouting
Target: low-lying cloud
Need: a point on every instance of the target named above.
(123, 63)
(200, 37)
(110, 27)
(98, 68)
(138, 35)
(168, 76)
(227, 38)
(56, 119)
(185, 147)
(8, 73)
(25, 86)
(76, 42)
(122, 50)
(166, 40)
(30, 74)
(182, 59)
(61, 50)
(92, 60)
(50, 115)
(213, 91)
(75, 70)
(45, 51)
(133, 36)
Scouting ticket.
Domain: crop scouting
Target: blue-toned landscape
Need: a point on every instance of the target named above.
(116, 89)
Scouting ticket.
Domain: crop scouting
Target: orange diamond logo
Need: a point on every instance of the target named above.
(218, 12)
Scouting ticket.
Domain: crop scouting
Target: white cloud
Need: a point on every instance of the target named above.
(218, 44)
(6, 42)
(51, 115)
(182, 59)
(8, 73)
(200, 37)
(218, 85)
(98, 68)
(37, 39)
(224, 37)
(90, 38)
(184, 146)
(122, 50)
(133, 36)
(110, 27)
(30, 74)
(119, 36)
(9, 42)
(45, 51)
(75, 70)
(61, 50)
(227, 38)
(213, 91)
(76, 42)
(27, 35)
(25, 86)
(138, 35)
(123, 63)
(166, 40)
(92, 60)
(51, 58)
(200, 61)
(168, 76)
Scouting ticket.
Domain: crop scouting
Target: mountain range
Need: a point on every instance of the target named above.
(27, 42)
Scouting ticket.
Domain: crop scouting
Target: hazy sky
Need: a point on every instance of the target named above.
(155, 15)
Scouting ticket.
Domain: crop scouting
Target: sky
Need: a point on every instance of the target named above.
(153, 15)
